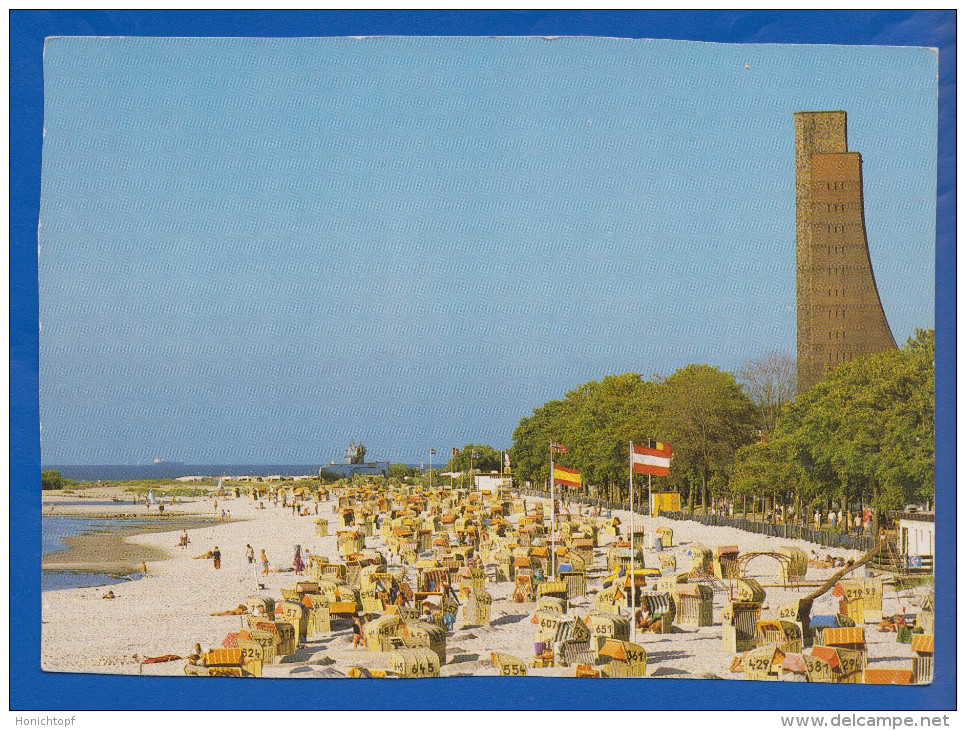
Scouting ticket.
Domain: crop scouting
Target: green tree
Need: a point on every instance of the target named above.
(51, 479)
(866, 432)
(706, 417)
(400, 471)
(487, 459)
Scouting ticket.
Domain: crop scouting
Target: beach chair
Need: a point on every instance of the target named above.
(320, 620)
(793, 570)
(693, 605)
(371, 602)
(555, 588)
(609, 600)
(605, 626)
(786, 635)
(887, 676)
(670, 582)
(252, 657)
(818, 667)
(523, 588)
(660, 603)
(845, 637)
(922, 663)
(667, 536)
(739, 620)
(576, 582)
(553, 604)
(700, 560)
(508, 665)
(260, 605)
(725, 562)
(763, 662)
(267, 641)
(622, 659)
(574, 652)
(296, 614)
(321, 527)
(476, 611)
(747, 590)
(668, 563)
(414, 663)
(422, 634)
(223, 663)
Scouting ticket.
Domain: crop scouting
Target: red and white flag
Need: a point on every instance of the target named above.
(656, 461)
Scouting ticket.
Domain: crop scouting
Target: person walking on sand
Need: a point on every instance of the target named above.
(358, 637)
(297, 561)
(250, 554)
(216, 558)
(264, 558)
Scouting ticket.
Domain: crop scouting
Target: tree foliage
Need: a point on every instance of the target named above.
(51, 479)
(487, 459)
(597, 420)
(867, 431)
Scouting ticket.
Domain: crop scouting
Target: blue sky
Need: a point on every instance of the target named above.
(257, 250)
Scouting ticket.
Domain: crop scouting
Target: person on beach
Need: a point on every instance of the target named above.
(357, 636)
(250, 554)
(297, 562)
(228, 516)
(264, 559)
(216, 558)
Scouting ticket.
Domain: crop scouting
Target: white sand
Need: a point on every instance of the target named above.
(169, 609)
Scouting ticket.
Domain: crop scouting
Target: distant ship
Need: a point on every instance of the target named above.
(159, 460)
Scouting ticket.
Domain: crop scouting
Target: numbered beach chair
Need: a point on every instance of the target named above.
(414, 663)
(605, 626)
(508, 665)
(622, 659)
(693, 605)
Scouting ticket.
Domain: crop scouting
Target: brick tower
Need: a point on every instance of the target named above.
(840, 316)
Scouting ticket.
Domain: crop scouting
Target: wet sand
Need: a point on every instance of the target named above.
(109, 551)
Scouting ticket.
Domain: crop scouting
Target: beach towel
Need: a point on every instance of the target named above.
(159, 659)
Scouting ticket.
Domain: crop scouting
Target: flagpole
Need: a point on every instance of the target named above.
(630, 456)
(430, 470)
(649, 513)
(553, 518)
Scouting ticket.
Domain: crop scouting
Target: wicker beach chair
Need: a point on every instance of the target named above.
(605, 626)
(623, 659)
(694, 605)
(414, 663)
(508, 665)
(922, 663)
(739, 621)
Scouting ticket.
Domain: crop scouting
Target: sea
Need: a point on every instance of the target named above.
(175, 469)
(55, 529)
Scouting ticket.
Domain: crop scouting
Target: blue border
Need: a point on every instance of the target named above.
(31, 689)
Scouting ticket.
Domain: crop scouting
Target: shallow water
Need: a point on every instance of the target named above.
(56, 580)
(54, 533)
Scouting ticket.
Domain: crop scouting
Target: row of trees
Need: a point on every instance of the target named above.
(701, 410)
(863, 436)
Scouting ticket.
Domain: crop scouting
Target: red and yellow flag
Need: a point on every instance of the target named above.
(566, 477)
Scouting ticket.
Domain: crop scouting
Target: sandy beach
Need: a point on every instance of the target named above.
(169, 609)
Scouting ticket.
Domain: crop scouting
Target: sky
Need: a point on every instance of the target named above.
(257, 250)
